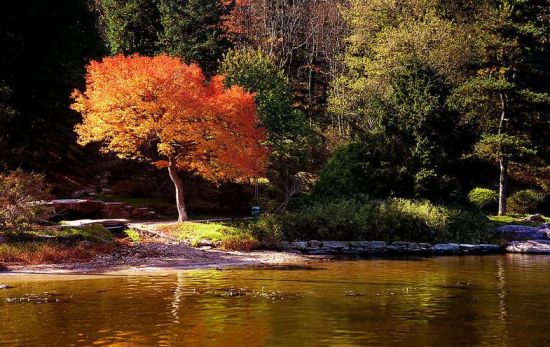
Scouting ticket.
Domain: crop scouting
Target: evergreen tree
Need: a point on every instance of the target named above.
(192, 30)
(507, 95)
(130, 26)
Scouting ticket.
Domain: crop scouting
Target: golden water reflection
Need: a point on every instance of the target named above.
(473, 300)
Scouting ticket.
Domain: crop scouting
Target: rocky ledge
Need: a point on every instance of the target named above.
(314, 247)
(525, 239)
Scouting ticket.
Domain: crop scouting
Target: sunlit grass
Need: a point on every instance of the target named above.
(515, 219)
(133, 235)
(230, 237)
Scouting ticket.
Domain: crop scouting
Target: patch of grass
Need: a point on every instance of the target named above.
(95, 233)
(515, 219)
(37, 252)
(230, 237)
(133, 235)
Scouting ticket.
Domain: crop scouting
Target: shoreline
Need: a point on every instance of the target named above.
(186, 258)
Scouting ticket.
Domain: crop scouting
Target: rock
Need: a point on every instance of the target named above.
(445, 248)
(522, 232)
(205, 243)
(405, 247)
(314, 244)
(481, 248)
(529, 246)
(375, 246)
(285, 245)
(298, 245)
(533, 218)
(335, 246)
(5, 286)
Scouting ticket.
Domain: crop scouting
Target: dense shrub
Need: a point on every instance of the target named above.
(362, 169)
(21, 194)
(389, 220)
(525, 201)
(484, 199)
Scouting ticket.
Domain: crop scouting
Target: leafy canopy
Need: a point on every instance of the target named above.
(159, 107)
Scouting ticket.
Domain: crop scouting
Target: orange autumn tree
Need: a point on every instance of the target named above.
(161, 110)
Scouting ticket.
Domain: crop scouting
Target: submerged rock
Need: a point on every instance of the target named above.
(529, 246)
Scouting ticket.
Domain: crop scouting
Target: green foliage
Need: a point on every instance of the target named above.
(130, 26)
(267, 231)
(362, 168)
(289, 134)
(192, 30)
(133, 235)
(229, 237)
(287, 128)
(388, 220)
(504, 146)
(484, 199)
(410, 137)
(525, 201)
(22, 196)
(94, 233)
(516, 219)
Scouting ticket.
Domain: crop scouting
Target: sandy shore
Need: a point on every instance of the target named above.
(149, 257)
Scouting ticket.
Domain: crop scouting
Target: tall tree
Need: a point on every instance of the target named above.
(402, 63)
(192, 30)
(189, 29)
(130, 26)
(162, 110)
(509, 94)
(288, 131)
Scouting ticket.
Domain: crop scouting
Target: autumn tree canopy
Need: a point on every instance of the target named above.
(162, 110)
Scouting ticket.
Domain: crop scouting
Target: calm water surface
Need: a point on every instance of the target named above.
(486, 300)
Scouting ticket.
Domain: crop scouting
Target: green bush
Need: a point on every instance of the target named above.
(484, 199)
(389, 220)
(525, 201)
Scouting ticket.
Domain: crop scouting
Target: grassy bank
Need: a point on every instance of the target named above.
(56, 245)
(230, 236)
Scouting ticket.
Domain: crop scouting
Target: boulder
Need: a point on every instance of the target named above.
(445, 248)
(205, 243)
(523, 232)
(335, 246)
(285, 246)
(529, 246)
(314, 244)
(298, 245)
(480, 248)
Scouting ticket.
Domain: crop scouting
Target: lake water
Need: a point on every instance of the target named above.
(471, 300)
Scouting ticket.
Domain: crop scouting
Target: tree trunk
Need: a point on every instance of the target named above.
(503, 181)
(503, 187)
(180, 204)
